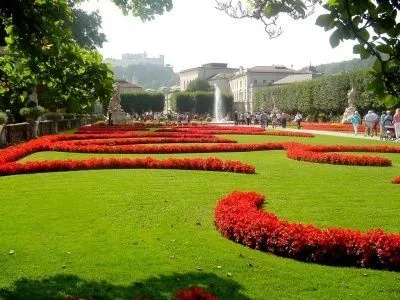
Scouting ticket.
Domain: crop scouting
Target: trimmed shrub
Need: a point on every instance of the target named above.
(182, 102)
(139, 102)
(327, 95)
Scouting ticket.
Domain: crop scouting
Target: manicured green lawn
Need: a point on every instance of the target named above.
(118, 234)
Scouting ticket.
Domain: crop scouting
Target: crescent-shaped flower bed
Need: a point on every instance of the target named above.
(201, 164)
(239, 217)
(325, 154)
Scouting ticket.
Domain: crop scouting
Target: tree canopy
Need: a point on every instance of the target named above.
(53, 43)
(198, 85)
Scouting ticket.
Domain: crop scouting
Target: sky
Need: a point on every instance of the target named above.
(195, 33)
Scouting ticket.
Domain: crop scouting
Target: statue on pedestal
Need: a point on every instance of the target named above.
(351, 97)
(115, 112)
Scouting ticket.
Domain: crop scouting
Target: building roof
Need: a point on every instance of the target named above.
(222, 66)
(126, 84)
(296, 78)
(271, 69)
(226, 75)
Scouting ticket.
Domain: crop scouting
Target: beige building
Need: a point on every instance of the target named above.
(206, 72)
(246, 81)
(242, 83)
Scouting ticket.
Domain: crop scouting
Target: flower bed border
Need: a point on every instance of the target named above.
(239, 217)
(200, 164)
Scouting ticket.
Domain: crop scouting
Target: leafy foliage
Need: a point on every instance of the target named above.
(376, 29)
(198, 84)
(52, 43)
(268, 11)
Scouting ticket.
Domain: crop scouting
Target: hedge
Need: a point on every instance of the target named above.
(325, 95)
(199, 102)
(139, 102)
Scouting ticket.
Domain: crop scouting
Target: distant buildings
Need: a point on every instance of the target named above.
(135, 59)
(242, 83)
(127, 87)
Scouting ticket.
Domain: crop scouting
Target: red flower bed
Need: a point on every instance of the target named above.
(396, 180)
(194, 293)
(319, 154)
(208, 164)
(162, 149)
(239, 217)
(237, 130)
(331, 127)
(152, 140)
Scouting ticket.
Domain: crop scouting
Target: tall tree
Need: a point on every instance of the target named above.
(51, 42)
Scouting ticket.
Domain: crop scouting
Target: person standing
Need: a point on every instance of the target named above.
(370, 120)
(284, 117)
(396, 124)
(236, 117)
(263, 120)
(298, 118)
(355, 120)
(382, 123)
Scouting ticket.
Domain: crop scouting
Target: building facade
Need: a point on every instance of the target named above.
(206, 72)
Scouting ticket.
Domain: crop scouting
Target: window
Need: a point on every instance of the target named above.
(255, 80)
(264, 81)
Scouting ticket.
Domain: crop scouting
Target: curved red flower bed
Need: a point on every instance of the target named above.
(201, 164)
(331, 127)
(163, 149)
(325, 154)
(239, 217)
(150, 140)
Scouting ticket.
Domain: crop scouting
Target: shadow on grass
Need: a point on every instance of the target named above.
(161, 287)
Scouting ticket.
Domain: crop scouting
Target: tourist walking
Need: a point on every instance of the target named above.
(236, 117)
(355, 120)
(298, 118)
(274, 119)
(382, 119)
(370, 119)
(263, 120)
(396, 124)
(284, 118)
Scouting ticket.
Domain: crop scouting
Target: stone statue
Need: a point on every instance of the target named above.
(351, 101)
(115, 111)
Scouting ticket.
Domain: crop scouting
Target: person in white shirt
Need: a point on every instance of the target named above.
(298, 118)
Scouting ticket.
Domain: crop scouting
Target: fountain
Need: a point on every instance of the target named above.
(219, 109)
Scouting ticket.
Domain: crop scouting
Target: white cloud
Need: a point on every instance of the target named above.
(194, 33)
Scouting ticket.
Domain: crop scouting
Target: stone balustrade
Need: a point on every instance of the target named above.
(20, 132)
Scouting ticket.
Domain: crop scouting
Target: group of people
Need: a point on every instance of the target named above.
(372, 120)
(264, 119)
